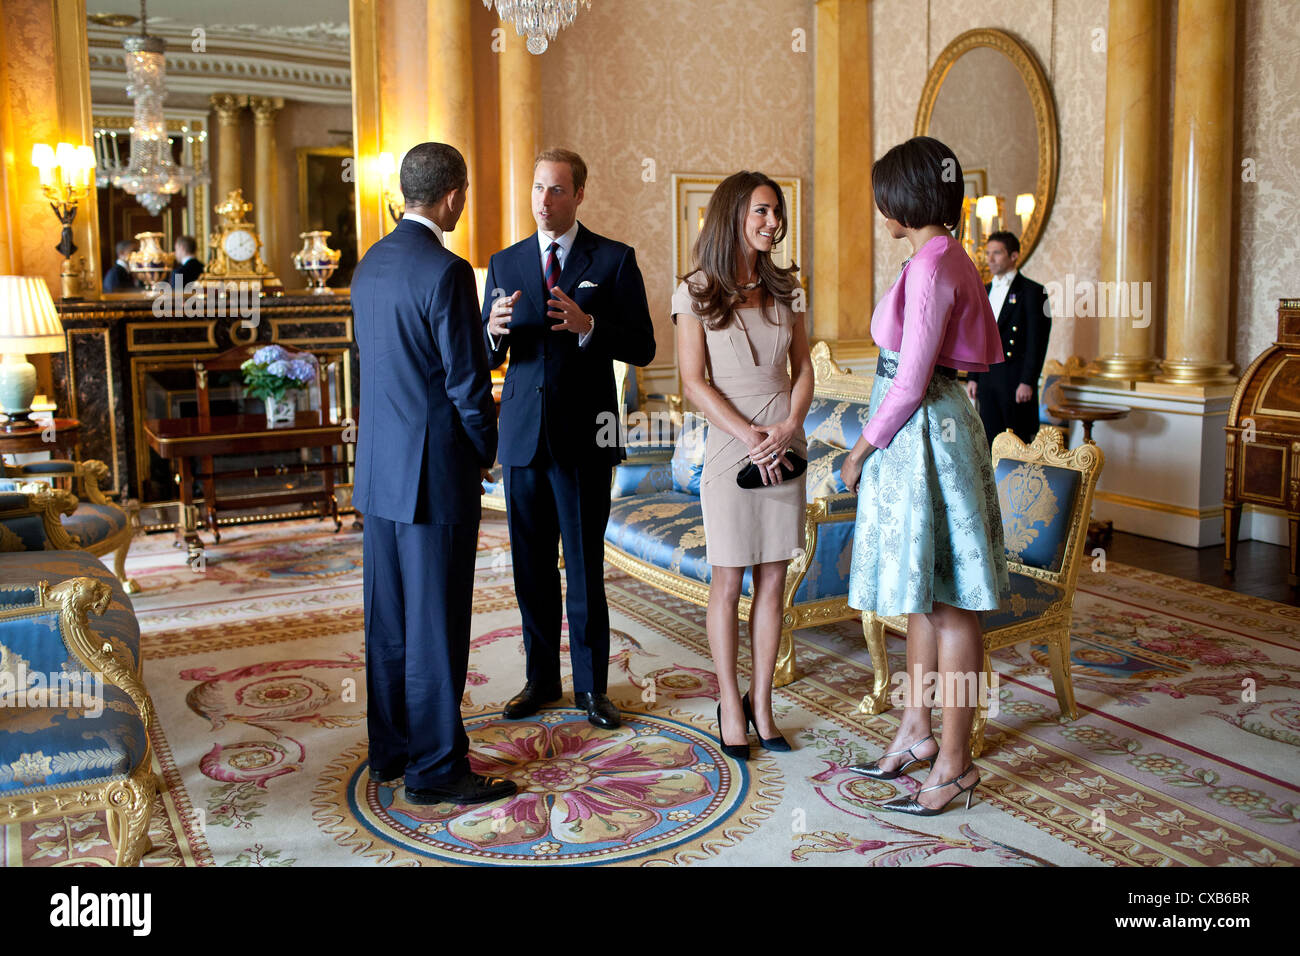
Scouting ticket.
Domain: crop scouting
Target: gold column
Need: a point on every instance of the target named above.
(842, 202)
(230, 173)
(1196, 340)
(265, 109)
(1131, 188)
(520, 129)
(363, 19)
(451, 98)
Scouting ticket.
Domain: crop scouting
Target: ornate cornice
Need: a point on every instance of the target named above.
(309, 64)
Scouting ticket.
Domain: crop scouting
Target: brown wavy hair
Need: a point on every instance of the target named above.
(714, 256)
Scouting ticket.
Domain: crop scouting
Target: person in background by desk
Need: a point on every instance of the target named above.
(119, 278)
(1007, 394)
(187, 266)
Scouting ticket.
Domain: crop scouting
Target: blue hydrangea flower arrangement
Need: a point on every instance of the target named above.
(273, 370)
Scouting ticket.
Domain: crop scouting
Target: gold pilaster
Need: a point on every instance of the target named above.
(841, 282)
(520, 131)
(363, 19)
(265, 186)
(229, 172)
(1131, 185)
(1196, 341)
(451, 98)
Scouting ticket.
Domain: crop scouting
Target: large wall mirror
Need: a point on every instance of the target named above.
(988, 99)
(254, 96)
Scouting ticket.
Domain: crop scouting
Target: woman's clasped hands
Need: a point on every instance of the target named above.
(767, 447)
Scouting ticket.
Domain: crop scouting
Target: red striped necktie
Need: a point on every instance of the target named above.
(552, 275)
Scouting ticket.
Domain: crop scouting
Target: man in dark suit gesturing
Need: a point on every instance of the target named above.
(426, 439)
(1007, 394)
(564, 303)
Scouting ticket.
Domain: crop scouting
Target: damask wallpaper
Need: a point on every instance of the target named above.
(645, 91)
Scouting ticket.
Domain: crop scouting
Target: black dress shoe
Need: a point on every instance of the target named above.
(380, 775)
(530, 700)
(600, 710)
(471, 788)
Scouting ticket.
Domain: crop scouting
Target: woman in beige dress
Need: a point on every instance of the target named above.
(736, 334)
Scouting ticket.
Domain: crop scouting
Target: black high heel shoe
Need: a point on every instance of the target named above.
(873, 770)
(777, 743)
(913, 806)
(735, 751)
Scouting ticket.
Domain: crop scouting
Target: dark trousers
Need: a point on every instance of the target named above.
(419, 596)
(999, 410)
(547, 503)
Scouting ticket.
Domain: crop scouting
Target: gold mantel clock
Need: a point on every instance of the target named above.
(236, 249)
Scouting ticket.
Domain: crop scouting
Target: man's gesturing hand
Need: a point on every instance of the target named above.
(502, 307)
(570, 317)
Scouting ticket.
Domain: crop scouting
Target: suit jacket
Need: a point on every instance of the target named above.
(189, 272)
(554, 390)
(119, 279)
(1025, 324)
(427, 420)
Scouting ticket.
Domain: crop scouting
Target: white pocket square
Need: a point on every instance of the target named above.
(584, 284)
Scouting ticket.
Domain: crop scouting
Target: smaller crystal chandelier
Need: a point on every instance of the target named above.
(150, 175)
(539, 20)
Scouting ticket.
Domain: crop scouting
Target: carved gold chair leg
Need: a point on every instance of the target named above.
(119, 568)
(785, 667)
(873, 630)
(133, 802)
(1059, 648)
(981, 710)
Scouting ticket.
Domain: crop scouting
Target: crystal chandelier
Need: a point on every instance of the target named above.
(539, 20)
(150, 175)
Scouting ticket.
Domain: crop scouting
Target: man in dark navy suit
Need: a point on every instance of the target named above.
(187, 268)
(426, 440)
(564, 303)
(1007, 394)
(119, 278)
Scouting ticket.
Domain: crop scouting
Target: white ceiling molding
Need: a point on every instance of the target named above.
(310, 64)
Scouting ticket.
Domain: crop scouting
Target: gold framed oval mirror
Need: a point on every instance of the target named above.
(987, 97)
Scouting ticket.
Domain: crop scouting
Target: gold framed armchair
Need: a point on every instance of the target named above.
(91, 750)
(95, 523)
(1045, 494)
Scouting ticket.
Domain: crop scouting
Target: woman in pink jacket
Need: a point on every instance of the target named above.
(928, 538)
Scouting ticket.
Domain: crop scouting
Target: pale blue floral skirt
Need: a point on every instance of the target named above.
(929, 528)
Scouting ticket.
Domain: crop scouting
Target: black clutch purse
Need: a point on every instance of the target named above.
(751, 477)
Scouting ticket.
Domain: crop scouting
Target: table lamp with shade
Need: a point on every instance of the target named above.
(28, 323)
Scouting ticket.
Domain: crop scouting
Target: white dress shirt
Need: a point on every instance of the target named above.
(437, 230)
(998, 290)
(561, 257)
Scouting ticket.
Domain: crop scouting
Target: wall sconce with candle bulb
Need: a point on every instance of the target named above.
(394, 202)
(66, 173)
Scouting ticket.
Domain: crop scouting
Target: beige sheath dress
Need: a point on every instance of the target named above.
(747, 364)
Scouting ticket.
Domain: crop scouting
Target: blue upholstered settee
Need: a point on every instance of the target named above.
(75, 716)
(656, 530)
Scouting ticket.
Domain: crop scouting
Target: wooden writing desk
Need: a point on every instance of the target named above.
(184, 439)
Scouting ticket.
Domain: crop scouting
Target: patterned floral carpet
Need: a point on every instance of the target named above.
(1185, 751)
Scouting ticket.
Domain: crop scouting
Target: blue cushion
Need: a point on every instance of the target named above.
(641, 478)
(824, 463)
(836, 421)
(1029, 598)
(666, 531)
(828, 575)
(1037, 501)
(92, 523)
(23, 533)
(497, 485)
(688, 457)
(43, 746)
(27, 569)
(91, 736)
